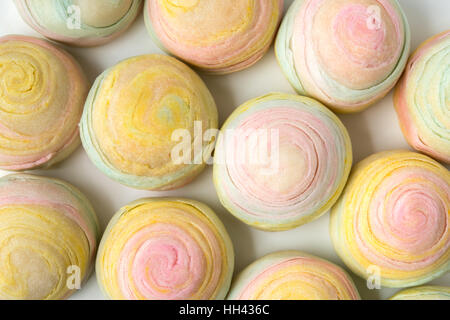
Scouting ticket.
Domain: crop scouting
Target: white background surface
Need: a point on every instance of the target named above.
(373, 130)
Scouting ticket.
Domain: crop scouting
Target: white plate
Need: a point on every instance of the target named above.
(371, 131)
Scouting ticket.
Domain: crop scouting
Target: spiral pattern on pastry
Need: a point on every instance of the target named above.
(42, 92)
(165, 249)
(79, 22)
(131, 120)
(423, 293)
(293, 275)
(281, 161)
(48, 237)
(218, 36)
(422, 98)
(346, 53)
(392, 219)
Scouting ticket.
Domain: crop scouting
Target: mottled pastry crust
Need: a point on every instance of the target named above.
(132, 113)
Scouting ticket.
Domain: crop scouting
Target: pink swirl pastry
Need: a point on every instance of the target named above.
(346, 53)
(392, 219)
(422, 98)
(293, 275)
(165, 249)
(42, 92)
(281, 161)
(218, 36)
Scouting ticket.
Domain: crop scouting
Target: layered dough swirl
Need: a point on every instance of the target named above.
(132, 113)
(48, 237)
(281, 161)
(293, 275)
(218, 36)
(42, 92)
(392, 219)
(422, 98)
(165, 249)
(346, 53)
(423, 293)
(79, 22)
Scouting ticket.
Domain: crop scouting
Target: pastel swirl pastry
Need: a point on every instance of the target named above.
(346, 53)
(218, 36)
(281, 161)
(165, 249)
(42, 92)
(423, 293)
(422, 98)
(293, 275)
(79, 22)
(139, 113)
(48, 238)
(392, 219)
